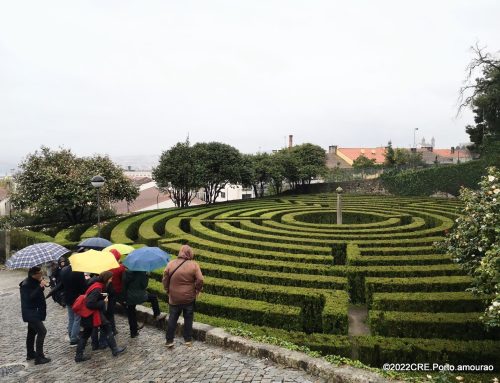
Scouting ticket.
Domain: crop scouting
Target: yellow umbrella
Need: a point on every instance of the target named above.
(93, 261)
(121, 248)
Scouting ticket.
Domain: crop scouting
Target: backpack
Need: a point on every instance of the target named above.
(80, 307)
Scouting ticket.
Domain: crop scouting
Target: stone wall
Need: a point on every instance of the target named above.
(373, 186)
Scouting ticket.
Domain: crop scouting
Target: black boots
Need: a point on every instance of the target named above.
(41, 359)
(80, 348)
(31, 355)
(112, 344)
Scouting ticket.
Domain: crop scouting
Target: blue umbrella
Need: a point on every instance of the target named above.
(146, 259)
(96, 243)
(35, 255)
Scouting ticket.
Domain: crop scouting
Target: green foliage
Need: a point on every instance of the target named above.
(404, 157)
(219, 164)
(20, 238)
(426, 182)
(57, 184)
(429, 325)
(363, 162)
(179, 173)
(474, 243)
(255, 172)
(310, 160)
(390, 159)
(482, 95)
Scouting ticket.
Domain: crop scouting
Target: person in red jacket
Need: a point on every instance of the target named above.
(116, 290)
(92, 313)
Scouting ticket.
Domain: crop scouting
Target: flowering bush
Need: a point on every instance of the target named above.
(474, 242)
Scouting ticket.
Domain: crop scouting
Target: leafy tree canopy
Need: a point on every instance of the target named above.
(219, 165)
(474, 242)
(179, 173)
(363, 162)
(482, 95)
(255, 172)
(389, 155)
(54, 183)
(310, 162)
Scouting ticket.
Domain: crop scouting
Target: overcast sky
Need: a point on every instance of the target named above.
(135, 77)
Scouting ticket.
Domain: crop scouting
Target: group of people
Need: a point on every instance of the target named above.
(90, 303)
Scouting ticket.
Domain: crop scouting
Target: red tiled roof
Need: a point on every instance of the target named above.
(147, 197)
(463, 153)
(378, 154)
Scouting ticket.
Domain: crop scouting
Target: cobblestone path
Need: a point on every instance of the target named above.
(146, 358)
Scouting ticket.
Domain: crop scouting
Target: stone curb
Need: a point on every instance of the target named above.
(293, 359)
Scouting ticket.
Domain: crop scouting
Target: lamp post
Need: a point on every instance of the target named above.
(97, 182)
(339, 191)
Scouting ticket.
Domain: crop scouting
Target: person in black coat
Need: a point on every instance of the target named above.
(95, 301)
(34, 312)
(55, 279)
(73, 284)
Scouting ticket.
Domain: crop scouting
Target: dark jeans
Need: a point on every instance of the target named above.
(35, 328)
(104, 329)
(188, 314)
(110, 312)
(99, 337)
(132, 313)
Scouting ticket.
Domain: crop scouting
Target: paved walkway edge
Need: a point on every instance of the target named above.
(293, 359)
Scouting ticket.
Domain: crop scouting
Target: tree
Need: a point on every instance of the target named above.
(290, 163)
(474, 242)
(482, 95)
(219, 164)
(389, 155)
(310, 161)
(255, 172)
(55, 183)
(363, 162)
(277, 170)
(179, 173)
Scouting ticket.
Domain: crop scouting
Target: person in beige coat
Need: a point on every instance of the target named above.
(183, 281)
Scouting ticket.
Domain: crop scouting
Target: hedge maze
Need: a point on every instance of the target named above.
(282, 267)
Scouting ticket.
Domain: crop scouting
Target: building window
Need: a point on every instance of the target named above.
(223, 194)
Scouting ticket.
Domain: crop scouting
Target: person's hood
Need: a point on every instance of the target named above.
(117, 254)
(186, 252)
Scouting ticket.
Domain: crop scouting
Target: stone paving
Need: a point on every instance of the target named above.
(146, 358)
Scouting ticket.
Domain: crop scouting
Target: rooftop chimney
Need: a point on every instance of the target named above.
(290, 141)
(332, 149)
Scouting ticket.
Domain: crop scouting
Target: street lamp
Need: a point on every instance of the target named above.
(97, 182)
(339, 191)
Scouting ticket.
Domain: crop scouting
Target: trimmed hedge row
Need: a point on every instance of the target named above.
(358, 274)
(430, 325)
(424, 284)
(258, 264)
(126, 230)
(428, 302)
(70, 236)
(20, 238)
(203, 232)
(378, 350)
(321, 311)
(152, 229)
(251, 311)
(268, 277)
